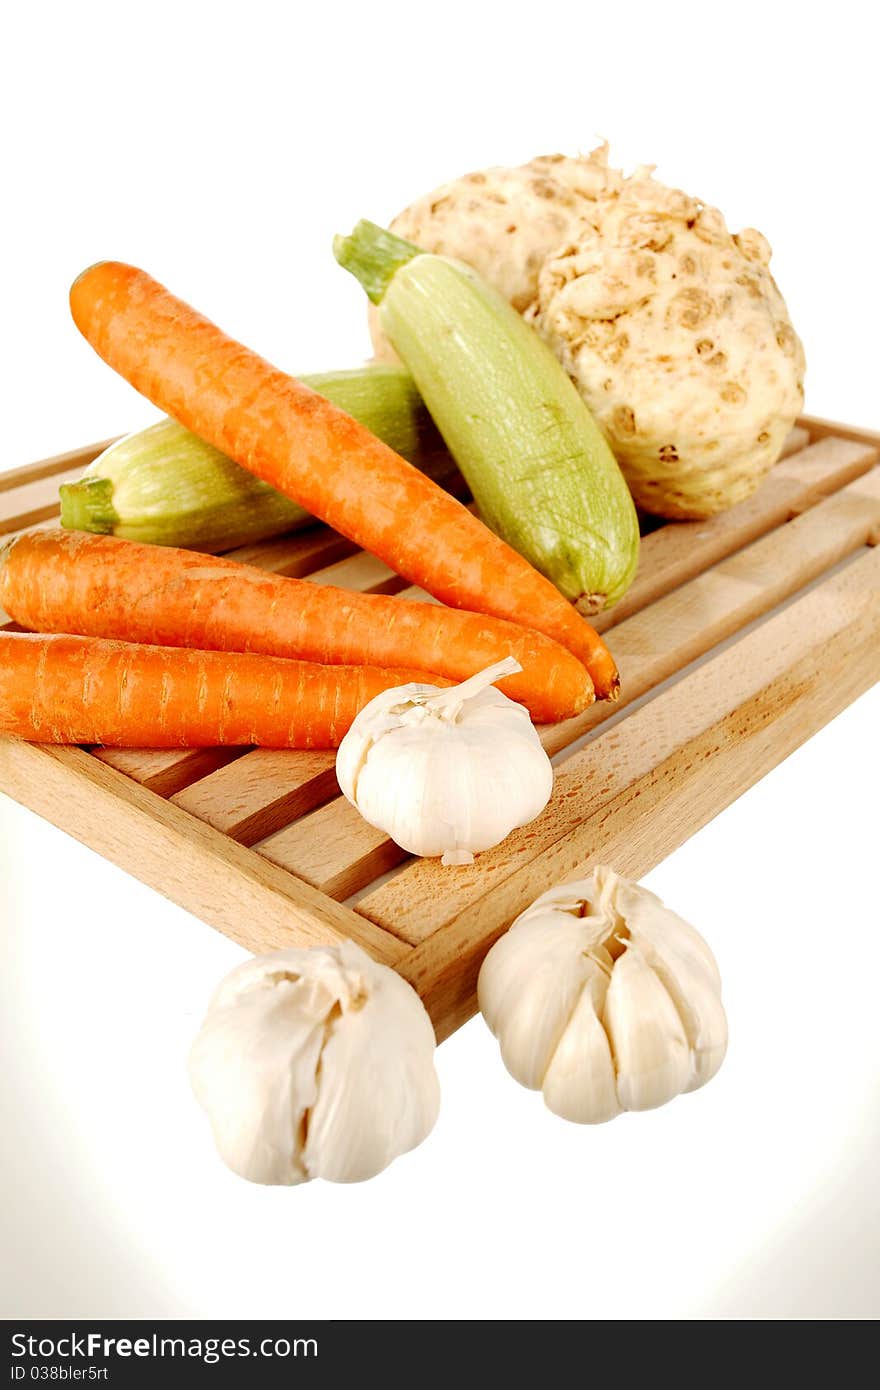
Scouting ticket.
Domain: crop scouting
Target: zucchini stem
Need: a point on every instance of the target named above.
(87, 505)
(374, 256)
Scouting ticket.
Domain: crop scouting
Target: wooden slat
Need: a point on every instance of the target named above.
(166, 770)
(261, 907)
(59, 463)
(363, 572)
(676, 629)
(265, 789)
(639, 791)
(334, 849)
(33, 501)
(675, 553)
(818, 428)
(341, 853)
(417, 595)
(797, 439)
(296, 555)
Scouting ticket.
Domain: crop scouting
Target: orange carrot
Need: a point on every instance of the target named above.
(61, 689)
(305, 447)
(102, 586)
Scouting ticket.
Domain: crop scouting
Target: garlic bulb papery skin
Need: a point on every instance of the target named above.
(446, 772)
(604, 1000)
(315, 1063)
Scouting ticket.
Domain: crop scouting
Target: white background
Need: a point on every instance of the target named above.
(221, 146)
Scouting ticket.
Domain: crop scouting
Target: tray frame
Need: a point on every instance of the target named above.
(740, 639)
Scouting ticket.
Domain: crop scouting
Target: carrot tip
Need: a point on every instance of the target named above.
(83, 273)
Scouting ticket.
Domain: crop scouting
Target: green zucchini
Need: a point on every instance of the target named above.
(539, 467)
(166, 486)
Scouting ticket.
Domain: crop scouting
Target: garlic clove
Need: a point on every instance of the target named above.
(593, 901)
(252, 1068)
(647, 1037)
(580, 1084)
(565, 897)
(365, 1114)
(696, 999)
(573, 908)
(527, 991)
(646, 915)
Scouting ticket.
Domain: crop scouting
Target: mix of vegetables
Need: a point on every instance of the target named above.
(167, 486)
(301, 444)
(536, 462)
(672, 329)
(574, 342)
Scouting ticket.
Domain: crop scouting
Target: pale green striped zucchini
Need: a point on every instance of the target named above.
(167, 486)
(539, 467)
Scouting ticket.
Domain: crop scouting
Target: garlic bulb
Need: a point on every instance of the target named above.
(604, 999)
(446, 772)
(315, 1064)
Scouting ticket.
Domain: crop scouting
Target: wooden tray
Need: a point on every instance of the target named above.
(740, 637)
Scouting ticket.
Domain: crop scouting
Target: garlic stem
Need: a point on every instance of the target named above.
(448, 703)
